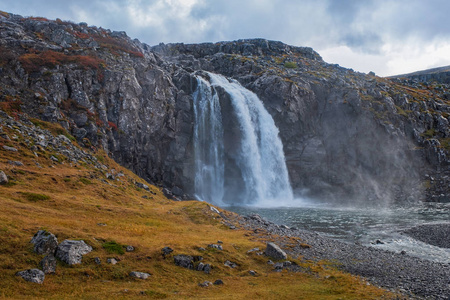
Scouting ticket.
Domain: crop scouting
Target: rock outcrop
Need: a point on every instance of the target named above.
(71, 252)
(347, 136)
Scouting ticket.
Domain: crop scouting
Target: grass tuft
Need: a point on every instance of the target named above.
(113, 247)
(34, 197)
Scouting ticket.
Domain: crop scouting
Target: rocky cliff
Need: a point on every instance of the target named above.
(347, 136)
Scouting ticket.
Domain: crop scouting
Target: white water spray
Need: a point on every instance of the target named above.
(254, 170)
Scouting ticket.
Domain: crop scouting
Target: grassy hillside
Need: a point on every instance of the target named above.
(76, 200)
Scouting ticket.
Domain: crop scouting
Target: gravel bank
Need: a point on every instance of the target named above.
(395, 271)
(433, 234)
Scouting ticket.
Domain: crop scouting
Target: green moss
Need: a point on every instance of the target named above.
(113, 247)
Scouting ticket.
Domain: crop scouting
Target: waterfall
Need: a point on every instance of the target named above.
(239, 157)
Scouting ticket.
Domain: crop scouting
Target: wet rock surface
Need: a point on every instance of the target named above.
(433, 234)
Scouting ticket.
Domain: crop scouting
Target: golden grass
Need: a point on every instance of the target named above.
(76, 210)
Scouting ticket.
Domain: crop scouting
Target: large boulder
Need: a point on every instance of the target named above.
(275, 252)
(71, 252)
(48, 264)
(139, 275)
(44, 242)
(32, 275)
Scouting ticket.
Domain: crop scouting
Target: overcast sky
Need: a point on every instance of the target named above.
(385, 36)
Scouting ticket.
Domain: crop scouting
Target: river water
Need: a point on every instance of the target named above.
(365, 226)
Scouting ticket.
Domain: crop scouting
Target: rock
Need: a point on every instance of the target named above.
(32, 275)
(44, 242)
(111, 261)
(207, 268)
(252, 250)
(230, 264)
(213, 209)
(275, 252)
(142, 186)
(251, 272)
(219, 242)
(129, 248)
(177, 191)
(48, 264)
(71, 252)
(54, 158)
(200, 266)
(7, 148)
(205, 284)
(218, 282)
(214, 246)
(166, 251)
(168, 194)
(185, 261)
(3, 178)
(98, 261)
(16, 163)
(139, 275)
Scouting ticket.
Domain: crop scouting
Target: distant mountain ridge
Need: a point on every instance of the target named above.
(440, 74)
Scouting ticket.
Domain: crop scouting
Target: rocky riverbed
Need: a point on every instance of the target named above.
(414, 277)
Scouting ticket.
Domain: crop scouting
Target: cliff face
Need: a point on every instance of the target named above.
(347, 136)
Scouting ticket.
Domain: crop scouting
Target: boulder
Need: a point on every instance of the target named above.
(166, 251)
(44, 242)
(3, 178)
(275, 252)
(7, 148)
(139, 275)
(215, 246)
(71, 252)
(48, 264)
(230, 264)
(129, 248)
(205, 283)
(32, 275)
(185, 261)
(207, 269)
(218, 282)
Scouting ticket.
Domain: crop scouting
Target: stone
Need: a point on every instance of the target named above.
(129, 248)
(111, 261)
(253, 250)
(166, 251)
(275, 252)
(207, 268)
(48, 264)
(98, 261)
(32, 275)
(214, 246)
(230, 264)
(71, 252)
(218, 282)
(3, 178)
(44, 242)
(142, 186)
(185, 261)
(16, 163)
(7, 148)
(200, 266)
(54, 158)
(205, 283)
(139, 275)
(251, 272)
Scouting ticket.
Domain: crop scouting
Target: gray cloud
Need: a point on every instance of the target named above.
(365, 27)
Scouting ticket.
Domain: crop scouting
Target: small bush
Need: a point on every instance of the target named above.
(290, 65)
(113, 247)
(35, 197)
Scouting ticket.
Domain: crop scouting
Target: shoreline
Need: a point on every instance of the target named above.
(411, 276)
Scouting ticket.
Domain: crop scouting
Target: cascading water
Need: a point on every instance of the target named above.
(243, 162)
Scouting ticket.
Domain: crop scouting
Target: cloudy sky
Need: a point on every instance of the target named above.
(385, 36)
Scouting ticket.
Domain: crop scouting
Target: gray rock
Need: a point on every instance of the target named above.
(32, 275)
(251, 272)
(98, 261)
(44, 242)
(230, 264)
(71, 252)
(48, 264)
(215, 246)
(218, 282)
(9, 148)
(166, 251)
(139, 275)
(16, 163)
(185, 261)
(207, 268)
(111, 261)
(129, 248)
(275, 252)
(3, 178)
(200, 266)
(142, 186)
(205, 283)
(253, 250)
